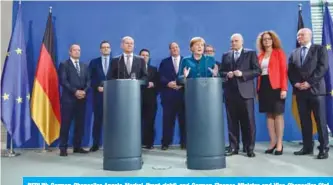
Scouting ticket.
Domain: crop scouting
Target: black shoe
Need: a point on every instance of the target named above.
(323, 153)
(304, 151)
(164, 147)
(94, 148)
(227, 148)
(149, 147)
(251, 154)
(183, 146)
(80, 150)
(231, 152)
(278, 152)
(270, 151)
(63, 153)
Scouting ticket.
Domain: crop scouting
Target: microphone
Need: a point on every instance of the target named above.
(118, 67)
(124, 67)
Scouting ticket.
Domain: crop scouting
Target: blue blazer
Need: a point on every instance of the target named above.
(70, 81)
(198, 69)
(167, 74)
(97, 74)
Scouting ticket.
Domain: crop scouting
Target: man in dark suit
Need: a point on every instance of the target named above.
(307, 67)
(127, 65)
(75, 81)
(98, 68)
(240, 66)
(172, 96)
(149, 102)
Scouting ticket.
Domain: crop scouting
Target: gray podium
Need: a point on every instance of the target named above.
(204, 124)
(122, 125)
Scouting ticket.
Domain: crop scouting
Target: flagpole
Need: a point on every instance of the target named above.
(11, 152)
(45, 147)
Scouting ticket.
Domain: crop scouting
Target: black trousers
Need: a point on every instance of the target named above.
(171, 110)
(69, 112)
(148, 111)
(98, 118)
(240, 115)
(316, 104)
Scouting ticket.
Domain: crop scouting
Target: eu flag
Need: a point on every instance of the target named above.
(15, 109)
(327, 42)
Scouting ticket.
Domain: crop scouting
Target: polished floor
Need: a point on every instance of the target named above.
(162, 164)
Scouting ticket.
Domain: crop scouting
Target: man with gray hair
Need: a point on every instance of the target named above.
(127, 65)
(240, 67)
(307, 67)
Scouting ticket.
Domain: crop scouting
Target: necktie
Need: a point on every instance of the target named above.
(236, 55)
(77, 66)
(303, 52)
(128, 64)
(105, 65)
(175, 65)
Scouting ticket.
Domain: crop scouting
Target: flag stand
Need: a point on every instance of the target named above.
(11, 152)
(45, 149)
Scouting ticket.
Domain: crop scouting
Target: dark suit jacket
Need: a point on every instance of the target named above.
(97, 73)
(71, 81)
(118, 68)
(149, 94)
(314, 67)
(168, 74)
(248, 64)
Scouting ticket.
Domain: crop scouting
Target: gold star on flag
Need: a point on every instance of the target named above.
(8, 54)
(328, 46)
(332, 92)
(28, 96)
(18, 51)
(5, 96)
(19, 100)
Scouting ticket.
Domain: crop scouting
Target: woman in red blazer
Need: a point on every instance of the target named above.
(272, 87)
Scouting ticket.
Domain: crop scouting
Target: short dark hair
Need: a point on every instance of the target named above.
(103, 42)
(144, 49)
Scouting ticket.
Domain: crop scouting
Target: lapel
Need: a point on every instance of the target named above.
(134, 63)
(74, 68)
(241, 56)
(308, 56)
(231, 57)
(100, 66)
(298, 57)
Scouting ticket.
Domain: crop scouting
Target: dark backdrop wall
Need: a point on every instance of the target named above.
(154, 25)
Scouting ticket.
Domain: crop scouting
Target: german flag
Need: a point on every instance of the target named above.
(45, 103)
(300, 25)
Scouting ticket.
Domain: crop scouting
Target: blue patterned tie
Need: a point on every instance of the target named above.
(105, 65)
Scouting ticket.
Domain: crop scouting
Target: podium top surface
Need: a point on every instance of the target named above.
(142, 82)
(201, 79)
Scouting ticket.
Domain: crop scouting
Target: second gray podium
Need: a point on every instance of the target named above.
(204, 124)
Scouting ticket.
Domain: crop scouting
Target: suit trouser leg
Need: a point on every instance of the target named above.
(80, 110)
(233, 121)
(98, 122)
(248, 125)
(318, 106)
(304, 110)
(149, 114)
(182, 122)
(169, 118)
(67, 115)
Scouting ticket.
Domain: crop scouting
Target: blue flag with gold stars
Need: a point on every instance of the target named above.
(15, 94)
(327, 41)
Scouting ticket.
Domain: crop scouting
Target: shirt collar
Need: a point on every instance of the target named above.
(308, 45)
(73, 60)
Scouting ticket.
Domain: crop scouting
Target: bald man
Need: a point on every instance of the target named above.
(127, 65)
(75, 82)
(240, 67)
(307, 67)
